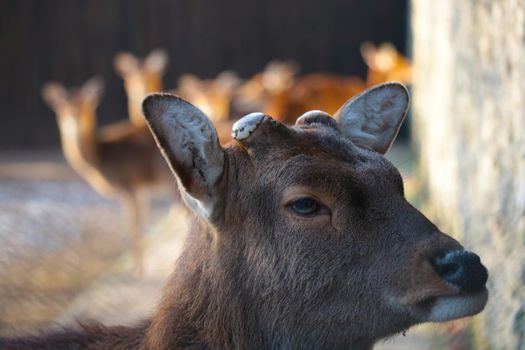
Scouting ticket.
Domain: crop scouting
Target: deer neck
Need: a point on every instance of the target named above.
(135, 90)
(78, 139)
(199, 307)
(205, 305)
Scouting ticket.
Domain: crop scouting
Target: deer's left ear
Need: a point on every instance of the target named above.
(373, 118)
(93, 89)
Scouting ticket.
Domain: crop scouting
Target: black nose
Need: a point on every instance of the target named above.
(461, 268)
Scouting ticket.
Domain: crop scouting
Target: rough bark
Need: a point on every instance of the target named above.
(469, 108)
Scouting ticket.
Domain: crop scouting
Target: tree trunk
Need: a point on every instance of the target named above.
(469, 109)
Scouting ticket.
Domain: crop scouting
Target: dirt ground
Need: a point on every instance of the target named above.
(65, 254)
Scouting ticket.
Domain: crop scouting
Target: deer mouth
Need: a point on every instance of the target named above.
(449, 307)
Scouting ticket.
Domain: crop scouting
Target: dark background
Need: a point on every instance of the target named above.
(72, 40)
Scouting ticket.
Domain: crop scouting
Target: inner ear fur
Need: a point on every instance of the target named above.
(189, 143)
(372, 119)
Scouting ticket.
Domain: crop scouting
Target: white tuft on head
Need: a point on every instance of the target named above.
(244, 127)
(314, 113)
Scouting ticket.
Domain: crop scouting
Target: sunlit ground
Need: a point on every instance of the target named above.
(65, 252)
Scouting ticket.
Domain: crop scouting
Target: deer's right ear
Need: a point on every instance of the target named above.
(125, 63)
(93, 90)
(373, 118)
(189, 142)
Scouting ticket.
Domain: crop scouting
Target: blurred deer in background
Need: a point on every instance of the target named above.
(280, 92)
(302, 237)
(326, 91)
(119, 161)
(385, 63)
(258, 93)
(140, 78)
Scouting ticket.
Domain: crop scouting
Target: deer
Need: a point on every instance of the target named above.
(258, 92)
(119, 161)
(145, 76)
(301, 237)
(140, 77)
(280, 92)
(327, 91)
(385, 63)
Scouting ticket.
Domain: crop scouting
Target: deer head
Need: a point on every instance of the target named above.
(385, 63)
(74, 103)
(140, 78)
(75, 111)
(304, 238)
(277, 78)
(75, 108)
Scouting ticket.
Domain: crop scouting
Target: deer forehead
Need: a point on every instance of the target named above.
(248, 124)
(313, 154)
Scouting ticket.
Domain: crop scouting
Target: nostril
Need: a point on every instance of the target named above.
(447, 269)
(461, 268)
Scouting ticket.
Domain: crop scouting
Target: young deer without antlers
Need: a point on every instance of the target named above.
(140, 78)
(279, 92)
(118, 161)
(302, 237)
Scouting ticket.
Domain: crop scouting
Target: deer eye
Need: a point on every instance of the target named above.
(305, 206)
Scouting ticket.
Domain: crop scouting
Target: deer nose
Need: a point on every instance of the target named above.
(461, 268)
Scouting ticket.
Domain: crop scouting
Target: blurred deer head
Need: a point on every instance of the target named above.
(385, 63)
(75, 110)
(277, 77)
(140, 78)
(213, 96)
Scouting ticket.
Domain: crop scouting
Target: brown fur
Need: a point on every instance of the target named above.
(283, 300)
(255, 275)
(85, 337)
